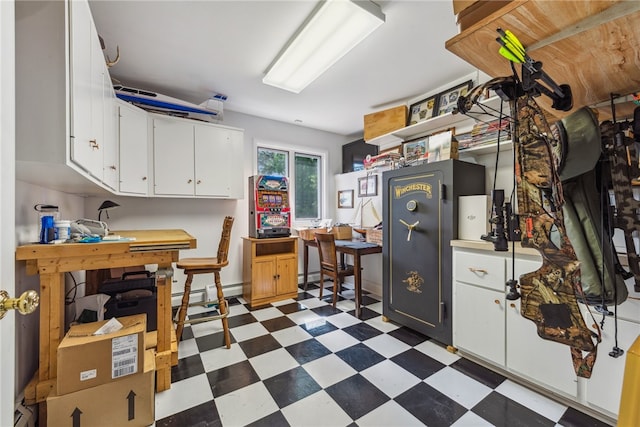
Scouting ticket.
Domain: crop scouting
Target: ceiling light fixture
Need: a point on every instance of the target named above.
(333, 29)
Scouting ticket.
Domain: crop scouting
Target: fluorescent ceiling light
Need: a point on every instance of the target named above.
(333, 29)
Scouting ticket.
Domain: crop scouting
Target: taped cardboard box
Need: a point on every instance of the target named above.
(86, 360)
(382, 122)
(128, 402)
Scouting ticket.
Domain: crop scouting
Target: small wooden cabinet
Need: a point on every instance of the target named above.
(270, 269)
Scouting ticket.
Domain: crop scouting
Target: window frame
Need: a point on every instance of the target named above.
(292, 150)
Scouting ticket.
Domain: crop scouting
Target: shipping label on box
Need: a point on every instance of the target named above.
(130, 402)
(86, 360)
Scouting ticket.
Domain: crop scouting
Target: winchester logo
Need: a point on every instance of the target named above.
(401, 191)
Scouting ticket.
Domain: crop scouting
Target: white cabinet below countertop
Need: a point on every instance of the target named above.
(491, 328)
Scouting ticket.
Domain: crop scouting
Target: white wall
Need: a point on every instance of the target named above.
(203, 218)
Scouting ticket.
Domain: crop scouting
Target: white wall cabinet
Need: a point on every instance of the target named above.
(194, 159)
(93, 142)
(133, 149)
(65, 110)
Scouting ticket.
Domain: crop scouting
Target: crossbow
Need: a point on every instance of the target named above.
(549, 293)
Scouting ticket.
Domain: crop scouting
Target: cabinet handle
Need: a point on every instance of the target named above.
(198, 181)
(512, 305)
(112, 168)
(144, 178)
(189, 181)
(478, 270)
(497, 301)
(94, 144)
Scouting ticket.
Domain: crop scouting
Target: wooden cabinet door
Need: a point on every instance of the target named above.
(263, 278)
(479, 322)
(133, 150)
(173, 157)
(287, 274)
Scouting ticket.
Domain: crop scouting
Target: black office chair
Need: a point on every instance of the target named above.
(329, 264)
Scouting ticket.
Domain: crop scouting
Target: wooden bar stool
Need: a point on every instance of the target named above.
(192, 266)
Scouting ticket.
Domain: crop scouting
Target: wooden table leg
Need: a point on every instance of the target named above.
(358, 283)
(305, 265)
(165, 324)
(51, 323)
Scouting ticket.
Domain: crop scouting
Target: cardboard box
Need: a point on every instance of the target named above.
(342, 232)
(382, 122)
(477, 11)
(460, 5)
(128, 402)
(86, 360)
(473, 217)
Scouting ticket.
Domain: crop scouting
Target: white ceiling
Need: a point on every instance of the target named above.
(194, 49)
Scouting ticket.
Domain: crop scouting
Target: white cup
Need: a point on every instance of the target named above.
(63, 229)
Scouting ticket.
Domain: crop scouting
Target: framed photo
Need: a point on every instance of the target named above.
(415, 149)
(368, 186)
(448, 100)
(423, 110)
(345, 199)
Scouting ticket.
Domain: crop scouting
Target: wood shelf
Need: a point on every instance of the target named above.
(590, 45)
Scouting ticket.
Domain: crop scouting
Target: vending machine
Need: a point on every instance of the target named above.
(269, 211)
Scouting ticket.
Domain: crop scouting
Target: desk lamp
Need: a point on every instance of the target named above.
(105, 206)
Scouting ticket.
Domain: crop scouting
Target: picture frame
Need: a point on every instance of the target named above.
(368, 186)
(345, 199)
(422, 110)
(415, 149)
(448, 100)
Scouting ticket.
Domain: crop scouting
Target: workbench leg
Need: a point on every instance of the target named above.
(164, 277)
(51, 323)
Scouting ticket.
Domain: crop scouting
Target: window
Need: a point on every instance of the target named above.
(306, 172)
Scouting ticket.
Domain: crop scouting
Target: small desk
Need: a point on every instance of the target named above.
(348, 247)
(159, 247)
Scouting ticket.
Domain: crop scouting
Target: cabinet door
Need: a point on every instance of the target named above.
(173, 157)
(479, 322)
(542, 361)
(133, 150)
(605, 385)
(111, 163)
(214, 162)
(263, 278)
(287, 274)
(86, 96)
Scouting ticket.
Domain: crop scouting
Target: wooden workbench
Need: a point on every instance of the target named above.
(159, 247)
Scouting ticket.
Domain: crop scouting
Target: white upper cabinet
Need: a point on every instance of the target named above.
(197, 159)
(93, 144)
(133, 149)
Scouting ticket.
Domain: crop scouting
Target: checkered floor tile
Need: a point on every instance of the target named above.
(303, 363)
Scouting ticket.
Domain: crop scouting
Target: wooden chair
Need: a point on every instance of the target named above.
(192, 266)
(329, 263)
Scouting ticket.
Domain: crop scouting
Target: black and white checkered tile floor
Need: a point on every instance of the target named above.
(303, 363)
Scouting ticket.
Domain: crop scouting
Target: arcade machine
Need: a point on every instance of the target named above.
(269, 211)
